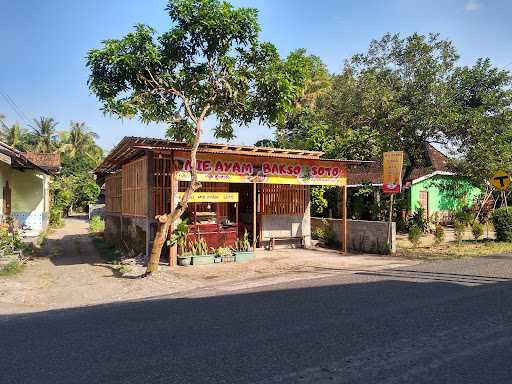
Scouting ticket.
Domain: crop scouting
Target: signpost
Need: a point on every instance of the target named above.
(392, 181)
(501, 181)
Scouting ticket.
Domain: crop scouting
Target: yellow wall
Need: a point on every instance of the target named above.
(29, 192)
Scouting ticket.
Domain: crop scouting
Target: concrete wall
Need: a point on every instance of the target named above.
(286, 226)
(128, 232)
(362, 236)
(29, 196)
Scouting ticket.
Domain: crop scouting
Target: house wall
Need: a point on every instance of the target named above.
(29, 196)
(443, 192)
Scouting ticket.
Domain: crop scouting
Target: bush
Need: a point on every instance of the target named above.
(414, 235)
(477, 230)
(12, 268)
(458, 231)
(463, 215)
(438, 235)
(502, 221)
(324, 233)
(56, 217)
(418, 220)
(97, 224)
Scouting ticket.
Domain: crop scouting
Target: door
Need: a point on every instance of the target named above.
(7, 199)
(424, 203)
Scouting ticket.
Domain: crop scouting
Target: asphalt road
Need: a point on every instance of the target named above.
(446, 322)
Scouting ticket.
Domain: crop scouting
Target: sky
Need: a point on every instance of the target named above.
(43, 45)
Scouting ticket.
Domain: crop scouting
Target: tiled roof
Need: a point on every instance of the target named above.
(372, 173)
(50, 161)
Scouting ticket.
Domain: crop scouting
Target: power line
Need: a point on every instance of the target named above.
(15, 107)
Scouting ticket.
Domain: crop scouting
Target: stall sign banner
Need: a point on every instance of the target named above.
(235, 170)
(212, 197)
(392, 178)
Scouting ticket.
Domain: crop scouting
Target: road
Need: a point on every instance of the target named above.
(444, 322)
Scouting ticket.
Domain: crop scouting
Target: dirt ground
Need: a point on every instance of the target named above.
(70, 273)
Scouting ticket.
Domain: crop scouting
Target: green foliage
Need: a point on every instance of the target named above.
(417, 219)
(501, 219)
(96, 224)
(414, 235)
(224, 252)
(439, 235)
(56, 220)
(198, 247)
(318, 200)
(10, 241)
(243, 244)
(463, 215)
(324, 233)
(108, 252)
(45, 134)
(179, 237)
(74, 192)
(210, 63)
(12, 268)
(458, 230)
(477, 229)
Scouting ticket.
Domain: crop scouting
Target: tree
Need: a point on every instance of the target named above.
(45, 134)
(210, 63)
(13, 136)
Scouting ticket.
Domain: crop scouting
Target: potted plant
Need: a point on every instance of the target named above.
(200, 252)
(179, 238)
(226, 254)
(243, 251)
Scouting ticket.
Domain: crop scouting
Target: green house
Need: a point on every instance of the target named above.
(432, 186)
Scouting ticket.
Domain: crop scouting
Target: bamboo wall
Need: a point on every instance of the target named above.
(113, 193)
(162, 185)
(134, 191)
(277, 199)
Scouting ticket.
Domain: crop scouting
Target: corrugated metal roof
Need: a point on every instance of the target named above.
(130, 147)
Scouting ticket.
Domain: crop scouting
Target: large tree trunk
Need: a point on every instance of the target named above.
(167, 219)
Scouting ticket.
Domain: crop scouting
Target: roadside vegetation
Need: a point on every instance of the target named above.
(13, 251)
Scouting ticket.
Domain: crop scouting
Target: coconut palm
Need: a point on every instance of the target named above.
(45, 134)
(81, 138)
(13, 136)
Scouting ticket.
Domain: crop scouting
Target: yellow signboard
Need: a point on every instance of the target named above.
(212, 197)
(237, 169)
(500, 180)
(392, 177)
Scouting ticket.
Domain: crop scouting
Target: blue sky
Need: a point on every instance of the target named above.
(43, 45)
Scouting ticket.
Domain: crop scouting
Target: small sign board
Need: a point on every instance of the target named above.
(212, 197)
(392, 177)
(500, 180)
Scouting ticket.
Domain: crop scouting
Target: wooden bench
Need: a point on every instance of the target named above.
(272, 240)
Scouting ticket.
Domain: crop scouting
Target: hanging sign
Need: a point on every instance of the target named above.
(392, 177)
(500, 180)
(233, 169)
(212, 197)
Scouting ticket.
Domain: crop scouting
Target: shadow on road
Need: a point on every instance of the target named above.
(378, 328)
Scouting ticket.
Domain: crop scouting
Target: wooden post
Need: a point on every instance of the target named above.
(343, 221)
(150, 203)
(254, 215)
(390, 225)
(173, 251)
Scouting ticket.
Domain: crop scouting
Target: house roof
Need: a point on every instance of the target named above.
(18, 159)
(48, 161)
(436, 162)
(130, 147)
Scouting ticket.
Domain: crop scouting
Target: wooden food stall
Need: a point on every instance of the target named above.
(213, 216)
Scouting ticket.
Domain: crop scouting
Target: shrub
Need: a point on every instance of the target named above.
(458, 231)
(477, 229)
(56, 217)
(438, 235)
(12, 268)
(325, 233)
(97, 224)
(414, 235)
(418, 219)
(463, 215)
(502, 221)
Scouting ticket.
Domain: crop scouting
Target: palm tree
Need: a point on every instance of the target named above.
(13, 136)
(81, 138)
(45, 134)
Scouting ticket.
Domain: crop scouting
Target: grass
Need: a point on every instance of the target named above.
(97, 224)
(12, 268)
(108, 252)
(452, 250)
